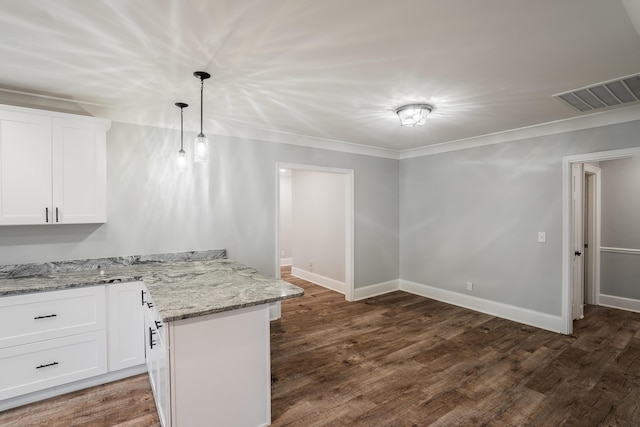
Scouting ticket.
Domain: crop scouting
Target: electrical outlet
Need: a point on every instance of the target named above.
(469, 286)
(542, 237)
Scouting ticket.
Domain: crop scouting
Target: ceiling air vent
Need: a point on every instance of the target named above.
(602, 95)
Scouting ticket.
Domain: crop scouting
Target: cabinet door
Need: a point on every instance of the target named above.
(125, 325)
(157, 357)
(25, 168)
(79, 172)
(161, 380)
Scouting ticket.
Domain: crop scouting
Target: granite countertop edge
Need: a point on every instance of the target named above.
(177, 317)
(180, 289)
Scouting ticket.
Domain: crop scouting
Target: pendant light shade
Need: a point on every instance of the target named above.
(414, 114)
(181, 159)
(201, 144)
(201, 149)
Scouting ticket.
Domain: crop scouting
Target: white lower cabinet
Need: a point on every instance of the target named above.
(51, 338)
(40, 316)
(40, 365)
(206, 370)
(211, 370)
(60, 341)
(157, 357)
(125, 314)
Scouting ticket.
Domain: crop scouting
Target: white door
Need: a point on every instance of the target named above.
(577, 271)
(25, 169)
(79, 172)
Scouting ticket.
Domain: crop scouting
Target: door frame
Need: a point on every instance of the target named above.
(594, 209)
(349, 238)
(585, 227)
(567, 223)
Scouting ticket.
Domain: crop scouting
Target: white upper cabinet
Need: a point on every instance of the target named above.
(52, 168)
(25, 168)
(79, 172)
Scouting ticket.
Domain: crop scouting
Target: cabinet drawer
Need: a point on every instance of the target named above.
(32, 367)
(47, 315)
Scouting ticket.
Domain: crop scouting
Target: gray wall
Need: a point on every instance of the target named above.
(473, 215)
(318, 212)
(285, 215)
(465, 215)
(228, 204)
(619, 272)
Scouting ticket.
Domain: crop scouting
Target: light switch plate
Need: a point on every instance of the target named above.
(542, 237)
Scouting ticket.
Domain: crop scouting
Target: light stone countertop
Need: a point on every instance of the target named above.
(180, 289)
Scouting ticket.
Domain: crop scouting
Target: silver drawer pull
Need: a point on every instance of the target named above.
(48, 364)
(45, 317)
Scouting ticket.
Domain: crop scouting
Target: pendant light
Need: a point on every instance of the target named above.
(181, 159)
(201, 144)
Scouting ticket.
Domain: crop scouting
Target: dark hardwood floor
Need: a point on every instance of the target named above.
(404, 360)
(127, 402)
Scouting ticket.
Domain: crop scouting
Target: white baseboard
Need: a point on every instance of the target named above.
(506, 311)
(376, 289)
(285, 262)
(318, 279)
(36, 396)
(493, 308)
(622, 303)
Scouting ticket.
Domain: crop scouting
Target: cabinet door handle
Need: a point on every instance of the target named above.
(46, 214)
(152, 342)
(57, 220)
(48, 364)
(158, 324)
(149, 304)
(142, 296)
(45, 317)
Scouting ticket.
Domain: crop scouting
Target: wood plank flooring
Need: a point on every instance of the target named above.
(127, 402)
(403, 360)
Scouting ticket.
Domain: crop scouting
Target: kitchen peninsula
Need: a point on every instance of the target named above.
(204, 324)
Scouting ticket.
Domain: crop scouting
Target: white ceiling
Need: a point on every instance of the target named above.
(332, 70)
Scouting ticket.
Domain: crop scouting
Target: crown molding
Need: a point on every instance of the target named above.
(311, 142)
(593, 120)
(587, 121)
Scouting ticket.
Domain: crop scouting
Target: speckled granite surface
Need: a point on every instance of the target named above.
(180, 289)
(10, 271)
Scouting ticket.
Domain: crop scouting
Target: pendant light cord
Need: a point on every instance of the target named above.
(182, 106)
(181, 128)
(201, 96)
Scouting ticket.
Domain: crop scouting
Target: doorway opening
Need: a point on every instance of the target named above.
(318, 242)
(575, 289)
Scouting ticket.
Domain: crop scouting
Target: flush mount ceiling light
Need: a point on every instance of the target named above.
(181, 160)
(201, 148)
(414, 114)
